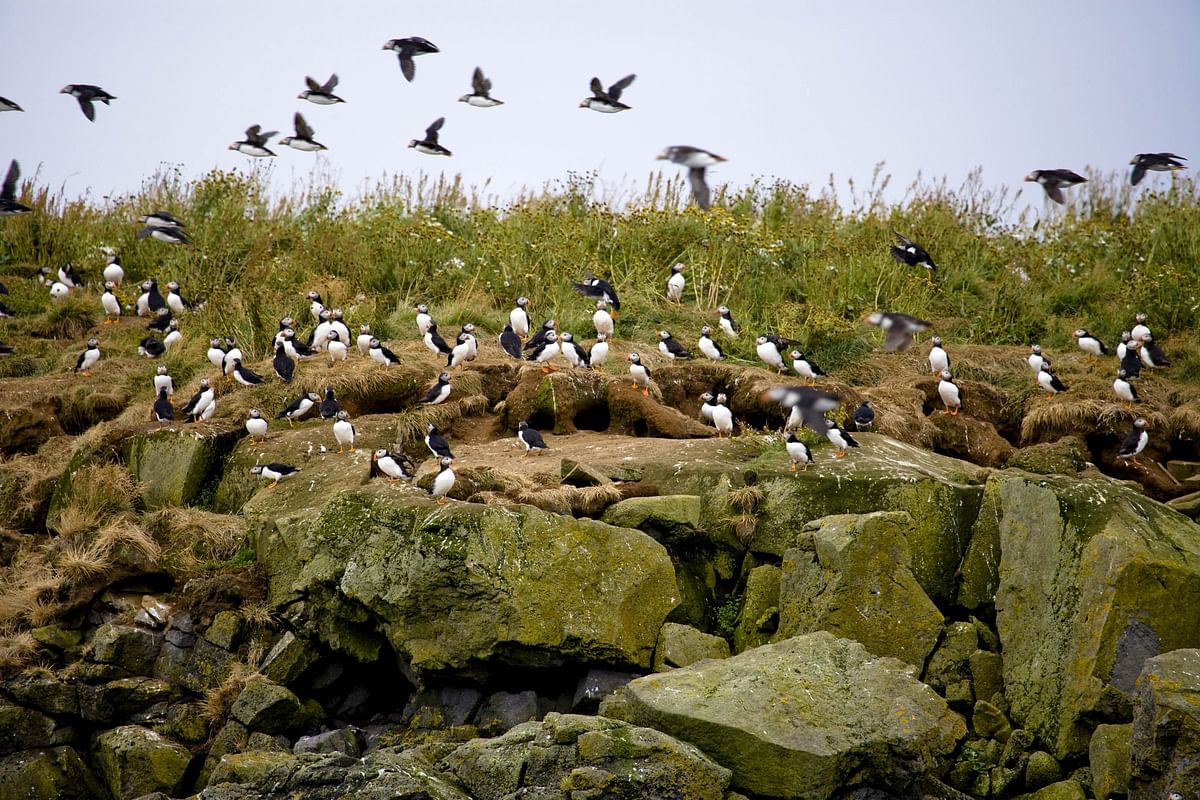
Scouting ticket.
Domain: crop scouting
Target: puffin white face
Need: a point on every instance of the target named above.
(204, 383)
(313, 396)
(255, 413)
(664, 335)
(364, 328)
(374, 342)
(601, 337)
(678, 268)
(444, 377)
(1147, 339)
(723, 310)
(946, 375)
(634, 358)
(761, 340)
(109, 285)
(1033, 176)
(1139, 317)
(522, 301)
(875, 319)
(446, 462)
(93, 342)
(706, 330)
(288, 333)
(1079, 334)
(551, 336)
(422, 309)
(256, 469)
(937, 341)
(1037, 348)
(162, 369)
(707, 397)
(1141, 423)
(566, 336)
(796, 355)
(214, 342)
(378, 454)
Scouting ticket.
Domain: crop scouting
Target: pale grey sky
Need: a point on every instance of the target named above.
(794, 90)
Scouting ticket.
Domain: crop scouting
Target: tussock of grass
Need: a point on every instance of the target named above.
(79, 561)
(17, 649)
(746, 498)
(193, 539)
(218, 700)
(412, 425)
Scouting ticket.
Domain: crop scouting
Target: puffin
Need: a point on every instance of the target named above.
(174, 299)
(460, 352)
(598, 289)
(110, 303)
(1151, 354)
(519, 319)
(283, 365)
(899, 328)
(510, 342)
(304, 137)
(69, 275)
(173, 336)
(9, 207)
(670, 347)
(1139, 330)
(607, 101)
(166, 235)
(840, 438)
(675, 284)
(391, 466)
(529, 437)
(598, 353)
(443, 482)
(539, 336)
(1054, 181)
(274, 472)
(294, 347)
(364, 340)
(154, 298)
(602, 320)
(640, 373)
(1135, 441)
(113, 271)
(806, 405)
(728, 323)
(480, 95)
(1124, 345)
(912, 254)
(939, 359)
(162, 380)
(769, 352)
(707, 346)
(88, 358)
(255, 143)
(798, 452)
(439, 392)
(406, 50)
(343, 431)
(424, 320)
(1123, 389)
(336, 348)
(437, 443)
(805, 367)
(151, 347)
(299, 407)
(950, 392)
(709, 402)
(244, 375)
(1155, 162)
(434, 341)
(546, 351)
(160, 219)
(204, 397)
(59, 290)
(863, 416)
(320, 334)
(163, 410)
(468, 330)
(232, 353)
(1035, 357)
(697, 161)
(429, 145)
(256, 426)
(329, 406)
(1131, 362)
(87, 94)
(315, 305)
(575, 355)
(1090, 344)
(1049, 381)
(9, 105)
(722, 417)
(161, 322)
(321, 93)
(216, 353)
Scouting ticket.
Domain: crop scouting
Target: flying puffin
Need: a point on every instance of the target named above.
(598, 289)
(110, 303)
(1123, 389)
(166, 235)
(439, 392)
(437, 443)
(770, 352)
(519, 319)
(434, 341)
(1049, 381)
(343, 431)
(162, 380)
(598, 353)
(303, 140)
(840, 438)
(336, 348)
(256, 426)
(722, 417)
(321, 93)
(86, 94)
(204, 397)
(299, 407)
(863, 416)
(429, 145)
(950, 392)
(391, 466)
(1135, 441)
(443, 482)
(912, 254)
(806, 405)
(798, 452)
(480, 96)
(88, 358)
(728, 324)
(163, 410)
(1054, 181)
(575, 355)
(805, 367)
(244, 375)
(9, 207)
(1151, 354)
(697, 161)
(407, 49)
(1157, 162)
(709, 348)
(160, 219)
(255, 143)
(530, 438)
(274, 472)
(939, 359)
(1090, 344)
(284, 366)
(510, 342)
(9, 105)
(670, 347)
(640, 373)
(546, 351)
(329, 406)
(151, 347)
(899, 328)
(607, 102)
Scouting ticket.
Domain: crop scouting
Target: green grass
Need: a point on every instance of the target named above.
(783, 257)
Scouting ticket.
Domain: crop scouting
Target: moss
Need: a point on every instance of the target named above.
(173, 468)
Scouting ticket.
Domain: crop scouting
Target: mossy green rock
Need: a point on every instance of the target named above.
(25, 729)
(1108, 759)
(595, 756)
(452, 588)
(266, 707)
(681, 645)
(1067, 456)
(55, 774)
(132, 649)
(46, 693)
(1092, 577)
(1063, 790)
(57, 636)
(173, 466)
(135, 761)
(851, 577)
(1165, 742)
(662, 517)
(803, 717)
(1041, 770)
(758, 618)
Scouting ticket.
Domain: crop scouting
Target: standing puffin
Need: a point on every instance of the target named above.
(539, 336)
(1124, 345)
(391, 466)
(336, 347)
(670, 347)
(460, 352)
(951, 394)
(380, 354)
(706, 345)
(329, 406)
(675, 284)
(728, 323)
(572, 351)
(244, 375)
(343, 431)
(544, 353)
(437, 443)
(769, 351)
(163, 410)
(1151, 354)
(173, 336)
(519, 318)
(1135, 441)
(530, 438)
(1090, 344)
(175, 300)
(598, 353)
(864, 416)
(722, 417)
(1035, 357)
(1049, 381)
(798, 452)
(510, 342)
(110, 303)
(640, 373)
(274, 472)
(299, 407)
(284, 366)
(1054, 181)
(162, 380)
(707, 406)
(88, 358)
(434, 341)
(198, 406)
(439, 392)
(607, 102)
(429, 145)
(256, 426)
(1123, 389)
(443, 482)
(424, 320)
(364, 340)
(840, 438)
(805, 367)
(939, 359)
(113, 271)
(1139, 330)
(602, 320)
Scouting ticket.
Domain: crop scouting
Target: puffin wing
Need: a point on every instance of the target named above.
(1139, 172)
(700, 190)
(614, 91)
(313, 86)
(330, 84)
(303, 131)
(533, 438)
(598, 89)
(1055, 194)
(431, 133)
(480, 84)
(9, 192)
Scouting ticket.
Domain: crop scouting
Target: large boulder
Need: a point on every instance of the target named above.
(453, 588)
(55, 774)
(135, 761)
(803, 718)
(1090, 582)
(591, 756)
(174, 465)
(25, 729)
(1165, 746)
(850, 576)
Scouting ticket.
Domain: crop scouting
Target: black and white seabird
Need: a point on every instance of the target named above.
(88, 358)
(329, 406)
(530, 438)
(1139, 330)
(939, 359)
(283, 365)
(151, 347)
(391, 466)
(216, 352)
(1049, 382)
(294, 347)
(510, 342)
(805, 367)
(162, 320)
(602, 321)
(598, 352)
(200, 401)
(1035, 357)
(722, 417)
(1155, 162)
(798, 452)
(86, 94)
(950, 393)
(460, 352)
(429, 145)
(1134, 442)
(174, 336)
(437, 443)
(1123, 389)
(113, 271)
(336, 347)
(675, 284)
(806, 406)
(315, 306)
(110, 303)
(9, 207)
(232, 353)
(300, 406)
(899, 328)
(321, 93)
(1054, 181)
(1124, 345)
(255, 143)
(256, 426)
(572, 351)
(468, 330)
(519, 317)
(274, 472)
(364, 340)
(407, 49)
(1131, 362)
(707, 346)
(1151, 354)
(770, 352)
(439, 392)
(175, 300)
(640, 373)
(912, 254)
(670, 347)
(343, 431)
(165, 235)
(424, 320)
(9, 105)
(598, 289)
(160, 219)
(480, 96)
(244, 375)
(839, 437)
(539, 336)
(69, 275)
(163, 410)
(434, 341)
(728, 324)
(864, 416)
(443, 482)
(708, 402)
(607, 102)
(546, 352)
(1090, 344)
(303, 140)
(6, 349)
(162, 380)
(697, 161)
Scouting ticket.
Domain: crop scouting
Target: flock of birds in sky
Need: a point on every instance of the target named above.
(331, 338)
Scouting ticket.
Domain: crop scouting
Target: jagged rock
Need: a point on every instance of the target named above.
(1108, 759)
(55, 774)
(681, 645)
(1165, 742)
(987, 673)
(1041, 770)
(57, 637)
(185, 722)
(950, 663)
(1090, 582)
(25, 729)
(503, 711)
(971, 439)
(451, 589)
(286, 661)
(266, 743)
(46, 693)
(1063, 790)
(174, 466)
(758, 618)
(132, 649)
(802, 732)
(575, 473)
(231, 738)
(448, 707)
(596, 685)
(1067, 456)
(135, 761)
(990, 722)
(226, 630)
(850, 576)
(116, 700)
(593, 756)
(343, 740)
(267, 707)
(666, 517)
(1188, 504)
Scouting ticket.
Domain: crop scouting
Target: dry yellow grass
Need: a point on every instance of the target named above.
(79, 561)
(191, 538)
(219, 700)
